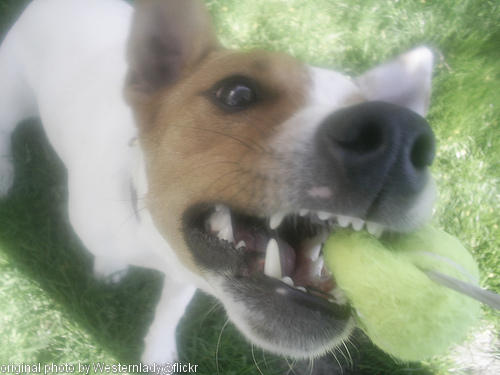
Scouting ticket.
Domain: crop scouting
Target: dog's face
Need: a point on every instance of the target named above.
(252, 158)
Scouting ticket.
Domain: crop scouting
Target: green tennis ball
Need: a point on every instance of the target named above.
(402, 311)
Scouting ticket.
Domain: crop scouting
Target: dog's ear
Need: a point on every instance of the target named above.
(168, 39)
(405, 81)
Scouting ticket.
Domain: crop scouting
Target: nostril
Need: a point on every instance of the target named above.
(422, 152)
(363, 139)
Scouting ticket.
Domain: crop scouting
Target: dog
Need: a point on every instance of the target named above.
(225, 170)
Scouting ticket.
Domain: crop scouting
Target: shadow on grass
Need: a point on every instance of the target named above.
(38, 239)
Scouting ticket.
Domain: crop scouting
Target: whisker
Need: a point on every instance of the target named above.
(132, 216)
(219, 178)
(204, 166)
(218, 344)
(264, 359)
(290, 366)
(214, 307)
(237, 139)
(130, 199)
(350, 340)
(255, 361)
(218, 162)
(311, 365)
(343, 354)
(244, 187)
(351, 362)
(337, 360)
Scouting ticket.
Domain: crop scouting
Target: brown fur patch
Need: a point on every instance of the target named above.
(197, 152)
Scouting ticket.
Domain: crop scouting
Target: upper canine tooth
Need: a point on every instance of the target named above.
(241, 244)
(276, 219)
(312, 246)
(226, 234)
(357, 224)
(324, 215)
(344, 221)
(314, 252)
(374, 228)
(272, 265)
(220, 223)
(318, 266)
(287, 280)
(303, 212)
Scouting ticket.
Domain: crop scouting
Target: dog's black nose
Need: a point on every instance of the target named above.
(377, 146)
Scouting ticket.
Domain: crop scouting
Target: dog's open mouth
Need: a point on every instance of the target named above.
(285, 249)
(269, 272)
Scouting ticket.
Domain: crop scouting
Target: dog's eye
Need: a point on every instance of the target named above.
(235, 93)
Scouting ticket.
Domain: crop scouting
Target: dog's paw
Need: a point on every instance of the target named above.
(158, 352)
(160, 344)
(6, 175)
(109, 270)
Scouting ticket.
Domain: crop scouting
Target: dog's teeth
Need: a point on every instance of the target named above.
(339, 296)
(357, 224)
(276, 220)
(301, 288)
(374, 229)
(344, 221)
(272, 265)
(220, 223)
(287, 280)
(303, 212)
(324, 215)
(226, 234)
(314, 252)
(312, 246)
(221, 208)
(241, 244)
(317, 266)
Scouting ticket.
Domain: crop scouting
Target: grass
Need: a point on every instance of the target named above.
(53, 311)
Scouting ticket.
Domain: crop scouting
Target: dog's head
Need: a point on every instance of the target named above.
(252, 158)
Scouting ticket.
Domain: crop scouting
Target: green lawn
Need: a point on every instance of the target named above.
(53, 311)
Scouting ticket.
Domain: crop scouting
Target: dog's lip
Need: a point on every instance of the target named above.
(284, 294)
(310, 301)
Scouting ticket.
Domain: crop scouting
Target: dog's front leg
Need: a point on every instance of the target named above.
(160, 343)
